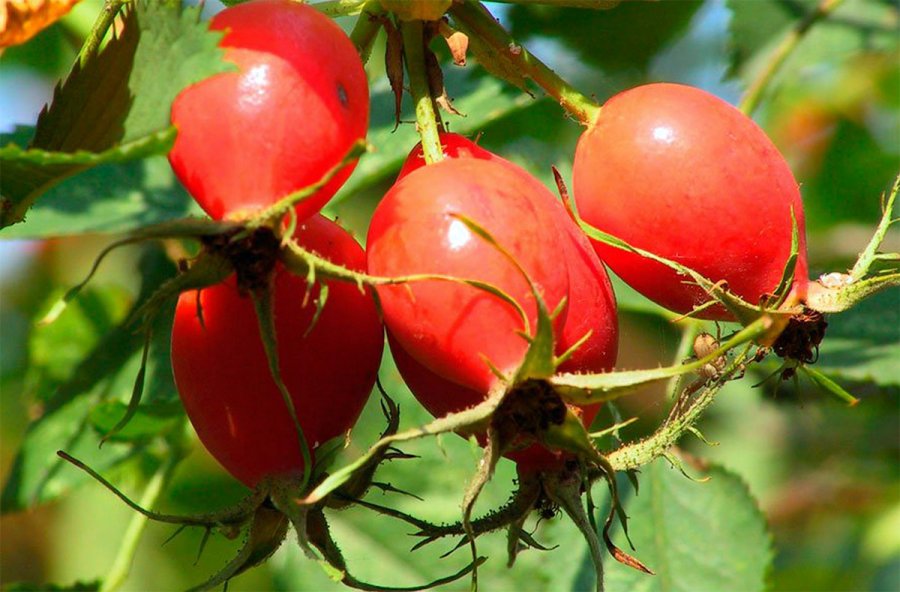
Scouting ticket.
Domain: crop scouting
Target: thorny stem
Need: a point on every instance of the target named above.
(859, 284)
(426, 119)
(98, 32)
(870, 253)
(689, 332)
(366, 29)
(754, 93)
(680, 420)
(128, 548)
(476, 18)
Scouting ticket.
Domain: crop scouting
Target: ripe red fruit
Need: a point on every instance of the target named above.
(453, 146)
(223, 376)
(681, 173)
(295, 107)
(452, 328)
(591, 308)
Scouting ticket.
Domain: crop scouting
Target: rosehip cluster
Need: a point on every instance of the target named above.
(640, 173)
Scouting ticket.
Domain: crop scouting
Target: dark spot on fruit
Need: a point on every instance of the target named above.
(342, 95)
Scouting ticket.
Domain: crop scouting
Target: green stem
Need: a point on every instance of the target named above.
(635, 455)
(128, 549)
(476, 19)
(756, 89)
(366, 29)
(98, 32)
(426, 119)
(870, 253)
(689, 332)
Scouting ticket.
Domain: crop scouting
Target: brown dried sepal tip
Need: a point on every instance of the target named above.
(801, 338)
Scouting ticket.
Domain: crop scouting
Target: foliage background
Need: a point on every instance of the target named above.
(825, 476)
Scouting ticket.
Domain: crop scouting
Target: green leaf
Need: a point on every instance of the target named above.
(695, 535)
(863, 343)
(623, 38)
(757, 25)
(108, 199)
(106, 372)
(119, 99)
(150, 420)
(57, 348)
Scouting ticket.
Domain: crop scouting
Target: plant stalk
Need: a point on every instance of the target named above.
(366, 29)
(426, 118)
(758, 87)
(479, 21)
(121, 566)
(98, 32)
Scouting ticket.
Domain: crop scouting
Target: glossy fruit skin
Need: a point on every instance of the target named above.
(679, 172)
(451, 327)
(592, 307)
(290, 114)
(223, 377)
(452, 146)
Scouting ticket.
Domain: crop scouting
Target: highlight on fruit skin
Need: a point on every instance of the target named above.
(223, 376)
(681, 173)
(291, 112)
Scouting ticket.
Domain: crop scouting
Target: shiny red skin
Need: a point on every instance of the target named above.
(452, 146)
(681, 173)
(451, 327)
(592, 307)
(298, 102)
(223, 377)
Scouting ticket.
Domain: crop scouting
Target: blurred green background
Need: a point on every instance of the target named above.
(826, 476)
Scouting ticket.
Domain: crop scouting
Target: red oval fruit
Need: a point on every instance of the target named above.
(452, 146)
(679, 172)
(454, 329)
(223, 376)
(592, 308)
(290, 114)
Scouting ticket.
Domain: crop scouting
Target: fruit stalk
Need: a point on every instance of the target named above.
(98, 31)
(366, 29)
(756, 89)
(476, 19)
(637, 454)
(426, 121)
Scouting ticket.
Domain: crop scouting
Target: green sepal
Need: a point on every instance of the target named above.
(472, 420)
(264, 305)
(539, 361)
(828, 385)
(268, 529)
(585, 389)
(136, 392)
(186, 228)
(744, 312)
(783, 290)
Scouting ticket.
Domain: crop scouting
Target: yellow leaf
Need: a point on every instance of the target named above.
(20, 20)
